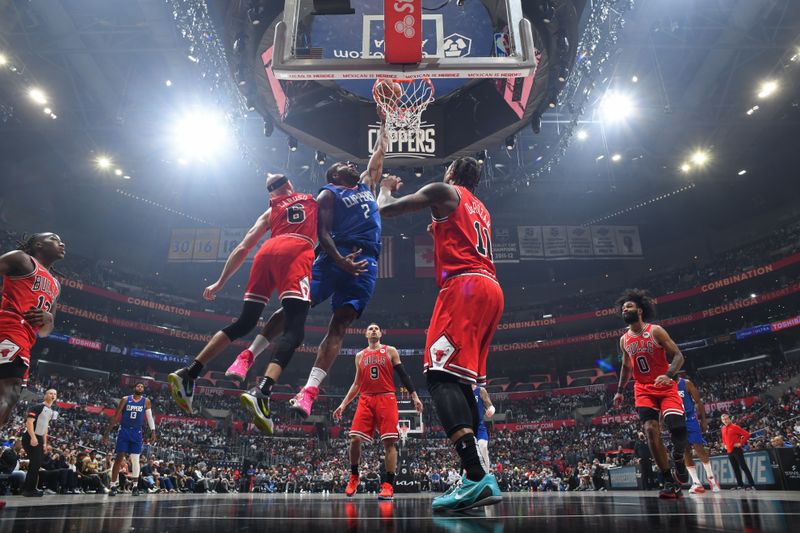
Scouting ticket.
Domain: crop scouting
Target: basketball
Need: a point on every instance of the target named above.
(387, 90)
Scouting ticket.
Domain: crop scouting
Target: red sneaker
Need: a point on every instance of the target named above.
(387, 492)
(352, 485)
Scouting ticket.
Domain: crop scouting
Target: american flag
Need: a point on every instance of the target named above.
(386, 260)
(308, 53)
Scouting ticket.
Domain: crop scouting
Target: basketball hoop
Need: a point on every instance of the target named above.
(403, 110)
(404, 434)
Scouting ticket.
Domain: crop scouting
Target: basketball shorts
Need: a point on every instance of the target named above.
(282, 264)
(343, 288)
(693, 427)
(16, 341)
(464, 320)
(482, 433)
(376, 412)
(129, 440)
(664, 400)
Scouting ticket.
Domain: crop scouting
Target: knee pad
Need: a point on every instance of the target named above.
(248, 319)
(134, 465)
(675, 422)
(450, 398)
(293, 334)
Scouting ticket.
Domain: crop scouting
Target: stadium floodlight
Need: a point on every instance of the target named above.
(767, 88)
(37, 95)
(635, 79)
(200, 134)
(418, 172)
(616, 107)
(582, 135)
(118, 172)
(292, 144)
(103, 162)
(511, 141)
(3, 60)
(616, 158)
(742, 172)
(320, 156)
(685, 168)
(700, 158)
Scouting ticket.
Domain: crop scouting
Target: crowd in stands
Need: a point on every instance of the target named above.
(190, 456)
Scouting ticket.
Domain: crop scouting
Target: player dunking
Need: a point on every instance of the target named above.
(132, 411)
(377, 406)
(692, 405)
(646, 351)
(27, 309)
(485, 410)
(345, 271)
(465, 316)
(282, 264)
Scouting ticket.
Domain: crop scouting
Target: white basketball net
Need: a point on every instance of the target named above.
(404, 112)
(404, 434)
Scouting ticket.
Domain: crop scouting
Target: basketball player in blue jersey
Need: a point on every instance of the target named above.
(130, 415)
(692, 405)
(485, 410)
(349, 233)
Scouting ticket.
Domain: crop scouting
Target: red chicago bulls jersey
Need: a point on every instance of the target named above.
(648, 357)
(376, 372)
(20, 293)
(463, 239)
(294, 214)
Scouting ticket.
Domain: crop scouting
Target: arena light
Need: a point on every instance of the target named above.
(635, 79)
(616, 158)
(582, 135)
(481, 156)
(753, 295)
(168, 83)
(47, 111)
(752, 110)
(103, 162)
(418, 172)
(118, 172)
(292, 144)
(767, 88)
(685, 168)
(616, 107)
(126, 177)
(320, 157)
(37, 95)
(3, 60)
(742, 172)
(700, 158)
(511, 140)
(200, 134)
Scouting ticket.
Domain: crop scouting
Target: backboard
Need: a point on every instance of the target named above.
(481, 39)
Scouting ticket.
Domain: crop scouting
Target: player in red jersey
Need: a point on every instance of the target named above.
(653, 358)
(27, 309)
(465, 316)
(282, 264)
(377, 406)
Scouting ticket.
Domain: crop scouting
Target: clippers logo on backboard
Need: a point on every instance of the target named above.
(415, 144)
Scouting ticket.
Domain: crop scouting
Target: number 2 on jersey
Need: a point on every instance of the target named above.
(484, 244)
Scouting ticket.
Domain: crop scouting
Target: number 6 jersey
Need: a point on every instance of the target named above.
(463, 239)
(294, 214)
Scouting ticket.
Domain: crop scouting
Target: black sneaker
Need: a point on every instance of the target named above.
(671, 491)
(258, 405)
(680, 473)
(113, 490)
(33, 493)
(135, 491)
(182, 388)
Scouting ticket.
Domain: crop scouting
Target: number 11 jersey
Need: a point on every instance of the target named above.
(463, 239)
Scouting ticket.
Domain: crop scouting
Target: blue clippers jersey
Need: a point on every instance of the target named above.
(356, 221)
(688, 401)
(133, 413)
(479, 401)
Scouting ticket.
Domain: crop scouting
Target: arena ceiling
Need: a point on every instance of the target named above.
(104, 66)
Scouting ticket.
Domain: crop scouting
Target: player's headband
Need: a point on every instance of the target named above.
(278, 183)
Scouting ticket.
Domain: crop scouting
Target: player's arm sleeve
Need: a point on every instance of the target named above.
(404, 377)
(148, 415)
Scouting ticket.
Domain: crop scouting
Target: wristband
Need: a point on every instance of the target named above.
(670, 375)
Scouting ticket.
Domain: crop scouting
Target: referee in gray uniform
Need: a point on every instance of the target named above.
(34, 440)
